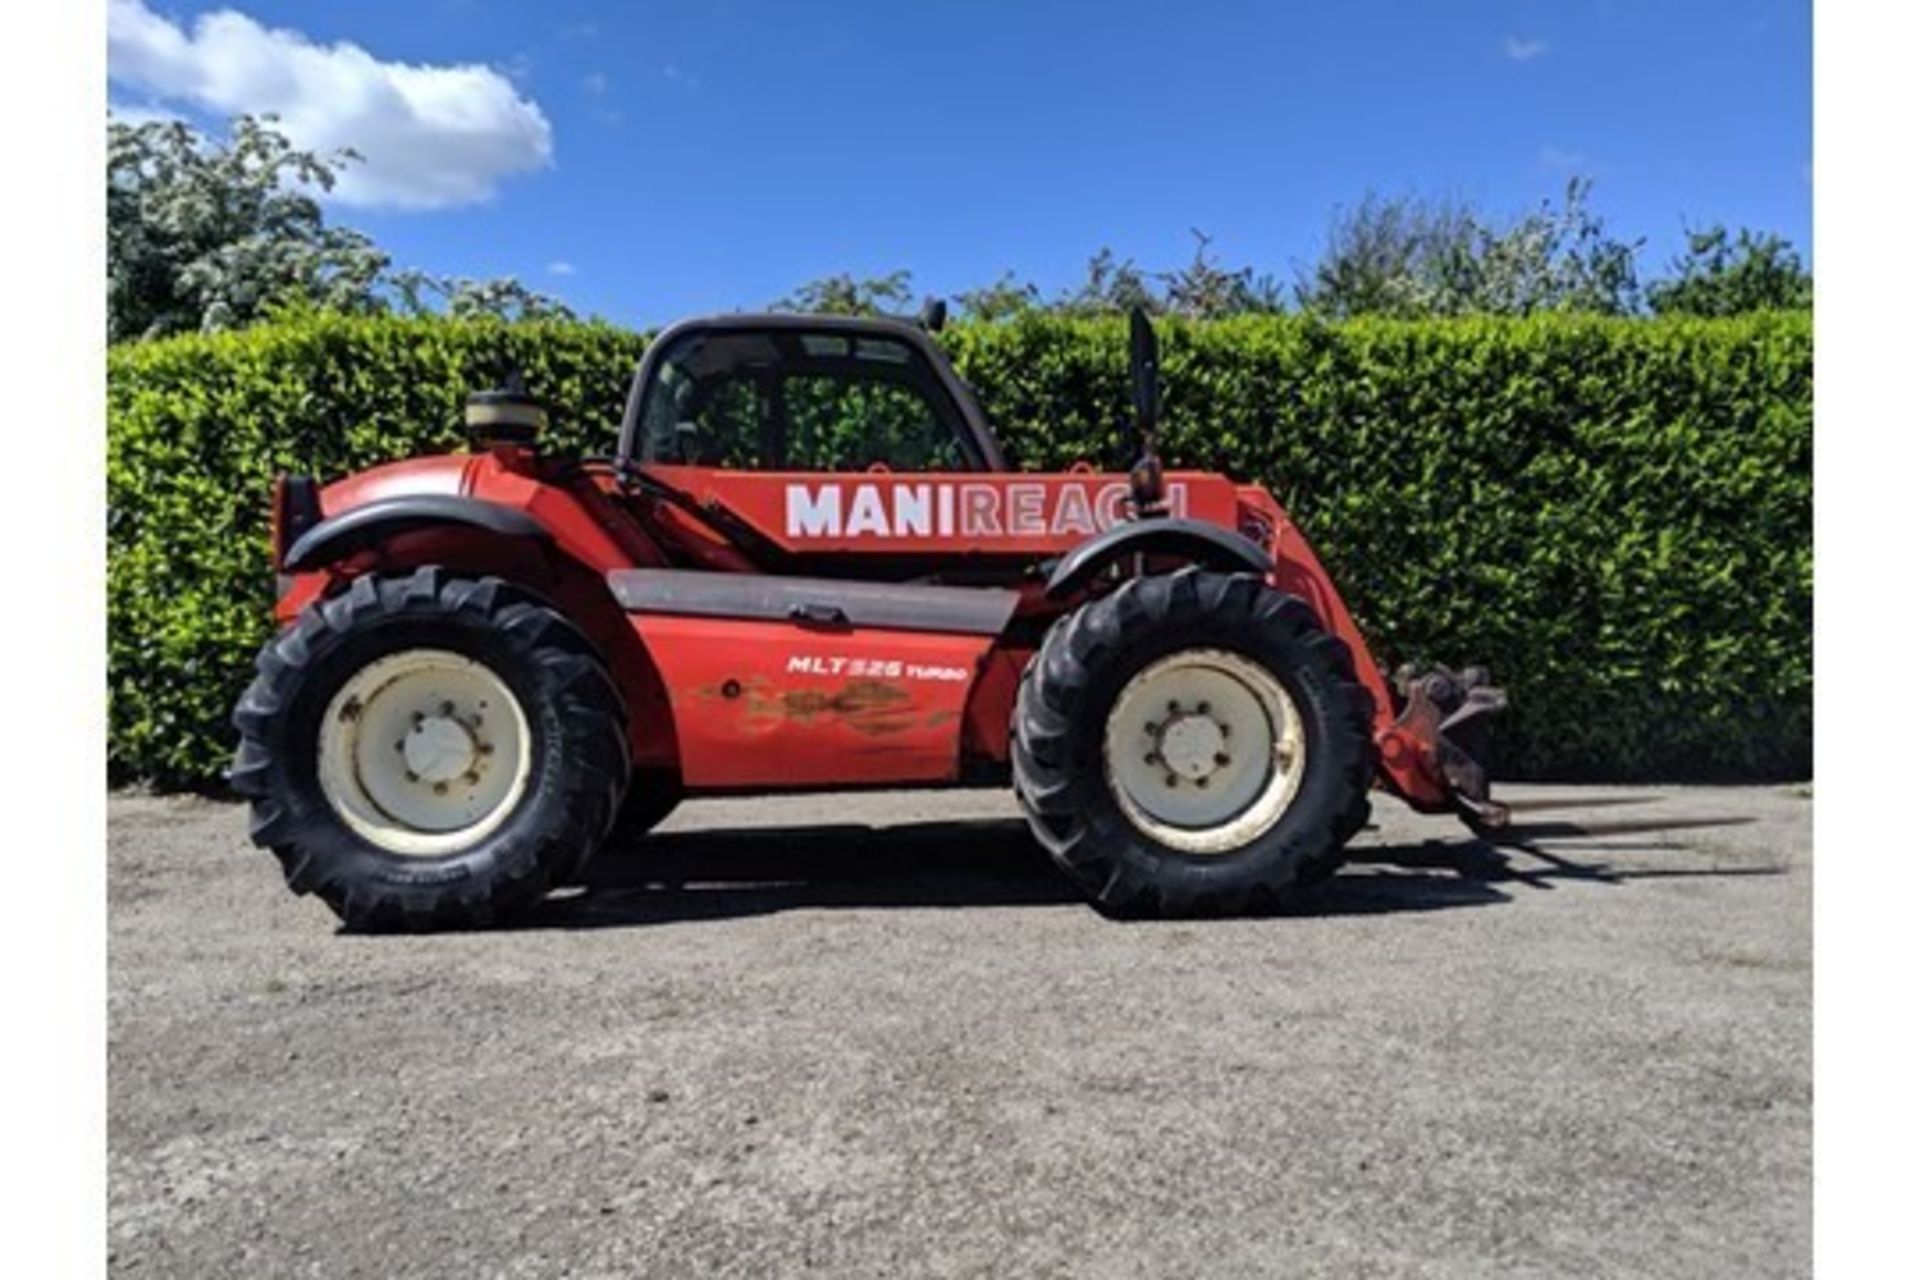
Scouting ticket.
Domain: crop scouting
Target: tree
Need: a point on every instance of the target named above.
(842, 295)
(1111, 287)
(1205, 290)
(208, 234)
(1554, 260)
(1005, 298)
(465, 299)
(1409, 257)
(1721, 275)
(1388, 257)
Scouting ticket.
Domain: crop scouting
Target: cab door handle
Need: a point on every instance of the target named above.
(815, 614)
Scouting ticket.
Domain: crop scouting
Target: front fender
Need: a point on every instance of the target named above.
(1196, 541)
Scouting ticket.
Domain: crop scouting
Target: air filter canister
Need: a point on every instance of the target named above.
(504, 415)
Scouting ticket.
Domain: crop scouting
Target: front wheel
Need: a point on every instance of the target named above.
(430, 751)
(1193, 743)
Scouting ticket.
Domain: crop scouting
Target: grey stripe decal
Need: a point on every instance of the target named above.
(823, 602)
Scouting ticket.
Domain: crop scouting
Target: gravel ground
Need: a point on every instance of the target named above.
(872, 1035)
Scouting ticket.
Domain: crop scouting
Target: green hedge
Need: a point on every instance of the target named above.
(1615, 514)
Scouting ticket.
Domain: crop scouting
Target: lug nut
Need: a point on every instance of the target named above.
(400, 745)
(419, 718)
(1204, 707)
(1153, 757)
(1200, 782)
(1173, 706)
(446, 708)
(473, 775)
(1221, 760)
(412, 776)
(484, 748)
(439, 788)
(1173, 779)
(1152, 727)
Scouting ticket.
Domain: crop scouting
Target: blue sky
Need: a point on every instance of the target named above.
(645, 161)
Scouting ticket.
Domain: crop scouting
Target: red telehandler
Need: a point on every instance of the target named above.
(809, 566)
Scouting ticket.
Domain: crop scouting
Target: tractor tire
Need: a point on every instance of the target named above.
(1193, 744)
(430, 751)
(651, 797)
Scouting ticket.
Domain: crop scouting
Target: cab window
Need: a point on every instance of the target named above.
(794, 400)
(839, 423)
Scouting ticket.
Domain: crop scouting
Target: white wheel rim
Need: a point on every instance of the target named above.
(1205, 750)
(424, 752)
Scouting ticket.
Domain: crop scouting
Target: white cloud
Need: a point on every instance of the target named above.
(560, 267)
(137, 113)
(1524, 50)
(596, 83)
(430, 136)
(1560, 158)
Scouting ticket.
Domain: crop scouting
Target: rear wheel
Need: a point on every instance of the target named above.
(652, 796)
(1193, 743)
(430, 751)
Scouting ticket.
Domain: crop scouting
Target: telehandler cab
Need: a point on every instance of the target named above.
(808, 565)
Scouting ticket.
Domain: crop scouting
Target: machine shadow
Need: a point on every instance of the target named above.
(722, 874)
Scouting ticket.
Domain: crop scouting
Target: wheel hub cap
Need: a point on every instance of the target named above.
(1205, 750)
(424, 751)
(1191, 744)
(440, 749)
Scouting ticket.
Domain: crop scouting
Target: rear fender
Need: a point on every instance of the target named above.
(477, 516)
(338, 537)
(495, 493)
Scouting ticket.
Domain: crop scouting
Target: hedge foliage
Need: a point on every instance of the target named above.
(1616, 515)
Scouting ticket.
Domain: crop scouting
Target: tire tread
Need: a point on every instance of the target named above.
(1059, 783)
(529, 861)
